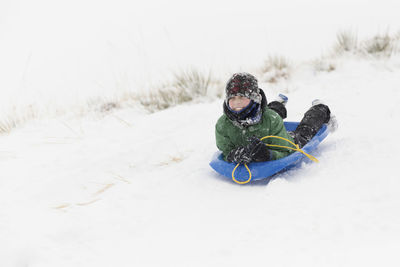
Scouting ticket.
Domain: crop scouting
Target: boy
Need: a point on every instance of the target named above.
(247, 118)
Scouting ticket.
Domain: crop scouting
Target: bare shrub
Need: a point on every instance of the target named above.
(275, 69)
(185, 86)
(192, 83)
(380, 45)
(108, 106)
(324, 64)
(16, 117)
(346, 41)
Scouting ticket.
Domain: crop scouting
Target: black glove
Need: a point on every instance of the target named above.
(239, 155)
(258, 151)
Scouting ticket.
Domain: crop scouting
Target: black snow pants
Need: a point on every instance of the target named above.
(312, 121)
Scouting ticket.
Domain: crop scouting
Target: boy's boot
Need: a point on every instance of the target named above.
(332, 123)
(279, 105)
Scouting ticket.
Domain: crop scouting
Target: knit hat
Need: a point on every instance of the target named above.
(243, 84)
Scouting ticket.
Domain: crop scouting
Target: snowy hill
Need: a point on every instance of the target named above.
(134, 188)
(90, 177)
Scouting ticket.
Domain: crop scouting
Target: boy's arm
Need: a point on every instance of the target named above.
(223, 141)
(278, 129)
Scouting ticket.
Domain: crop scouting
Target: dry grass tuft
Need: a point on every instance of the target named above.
(381, 45)
(276, 69)
(185, 86)
(346, 41)
(324, 64)
(16, 117)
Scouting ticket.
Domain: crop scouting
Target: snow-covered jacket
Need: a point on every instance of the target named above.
(229, 136)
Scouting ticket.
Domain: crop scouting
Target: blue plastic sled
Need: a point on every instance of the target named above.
(261, 170)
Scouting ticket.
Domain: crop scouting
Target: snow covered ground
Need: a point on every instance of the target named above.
(131, 188)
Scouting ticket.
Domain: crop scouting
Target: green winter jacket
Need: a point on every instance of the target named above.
(228, 136)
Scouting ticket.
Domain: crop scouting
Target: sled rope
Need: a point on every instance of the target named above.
(239, 182)
(295, 148)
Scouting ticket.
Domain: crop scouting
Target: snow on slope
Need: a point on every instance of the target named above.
(130, 188)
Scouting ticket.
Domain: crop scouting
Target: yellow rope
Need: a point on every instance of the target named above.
(233, 174)
(296, 148)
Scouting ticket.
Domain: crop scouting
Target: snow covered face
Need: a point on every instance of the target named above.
(238, 102)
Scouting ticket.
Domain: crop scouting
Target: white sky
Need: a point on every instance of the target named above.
(86, 45)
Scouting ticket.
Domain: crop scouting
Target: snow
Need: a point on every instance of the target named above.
(132, 188)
